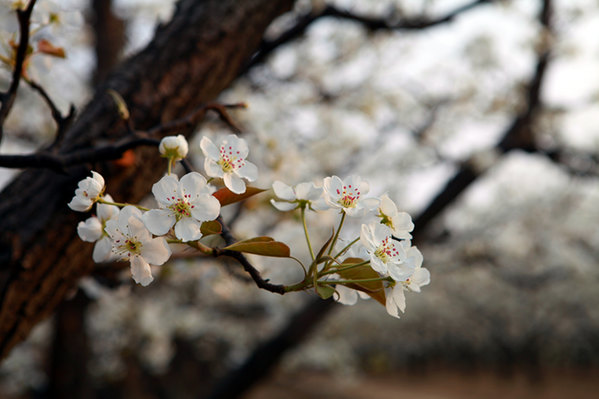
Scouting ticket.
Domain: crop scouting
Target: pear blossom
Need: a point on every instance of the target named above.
(396, 299)
(92, 230)
(387, 256)
(348, 195)
(174, 147)
(88, 192)
(132, 241)
(228, 161)
(299, 196)
(400, 223)
(184, 204)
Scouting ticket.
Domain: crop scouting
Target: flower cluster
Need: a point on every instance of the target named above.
(142, 236)
(381, 259)
(380, 262)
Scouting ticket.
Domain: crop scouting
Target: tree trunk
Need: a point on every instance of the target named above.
(189, 62)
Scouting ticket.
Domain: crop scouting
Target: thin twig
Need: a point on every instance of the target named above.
(8, 98)
(247, 266)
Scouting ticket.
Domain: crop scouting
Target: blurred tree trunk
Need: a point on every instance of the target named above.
(189, 62)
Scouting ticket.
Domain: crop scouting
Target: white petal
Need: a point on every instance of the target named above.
(345, 295)
(283, 206)
(156, 251)
(138, 229)
(237, 145)
(90, 230)
(80, 204)
(415, 257)
(388, 207)
(400, 272)
(212, 168)
(234, 183)
(370, 204)
(249, 171)
(192, 184)
(98, 179)
(103, 250)
(378, 265)
(391, 307)
(141, 271)
(107, 212)
(283, 191)
(205, 208)
(159, 221)
(302, 190)
(420, 277)
(367, 238)
(188, 229)
(165, 189)
(320, 205)
(209, 149)
(333, 187)
(124, 215)
(379, 232)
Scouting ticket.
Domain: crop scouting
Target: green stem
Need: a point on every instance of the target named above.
(337, 233)
(170, 166)
(366, 280)
(342, 269)
(121, 204)
(348, 246)
(303, 214)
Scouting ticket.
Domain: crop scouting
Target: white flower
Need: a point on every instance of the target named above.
(184, 204)
(302, 194)
(89, 191)
(92, 230)
(396, 299)
(174, 147)
(400, 223)
(349, 195)
(228, 162)
(132, 241)
(386, 255)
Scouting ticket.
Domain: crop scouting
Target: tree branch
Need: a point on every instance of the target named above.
(371, 23)
(8, 98)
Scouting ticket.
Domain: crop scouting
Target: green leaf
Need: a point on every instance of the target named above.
(374, 289)
(265, 246)
(227, 197)
(211, 227)
(325, 291)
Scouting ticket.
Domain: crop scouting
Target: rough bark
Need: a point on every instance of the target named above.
(189, 62)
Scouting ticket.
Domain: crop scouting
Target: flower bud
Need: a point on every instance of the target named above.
(173, 147)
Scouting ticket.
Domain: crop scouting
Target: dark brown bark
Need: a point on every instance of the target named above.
(189, 62)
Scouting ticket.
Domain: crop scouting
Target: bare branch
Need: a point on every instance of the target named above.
(247, 266)
(371, 23)
(8, 98)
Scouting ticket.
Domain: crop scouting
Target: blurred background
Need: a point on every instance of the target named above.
(483, 126)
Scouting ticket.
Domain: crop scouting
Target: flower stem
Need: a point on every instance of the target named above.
(366, 280)
(303, 214)
(121, 204)
(337, 233)
(170, 166)
(348, 246)
(352, 266)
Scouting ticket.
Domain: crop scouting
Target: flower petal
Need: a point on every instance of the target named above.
(234, 183)
(188, 229)
(80, 204)
(205, 208)
(165, 189)
(283, 206)
(102, 250)
(345, 295)
(192, 184)
(159, 221)
(248, 170)
(212, 168)
(90, 230)
(283, 191)
(141, 271)
(209, 149)
(156, 251)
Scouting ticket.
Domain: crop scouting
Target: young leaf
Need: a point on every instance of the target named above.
(265, 246)
(210, 228)
(325, 291)
(44, 46)
(226, 196)
(374, 289)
